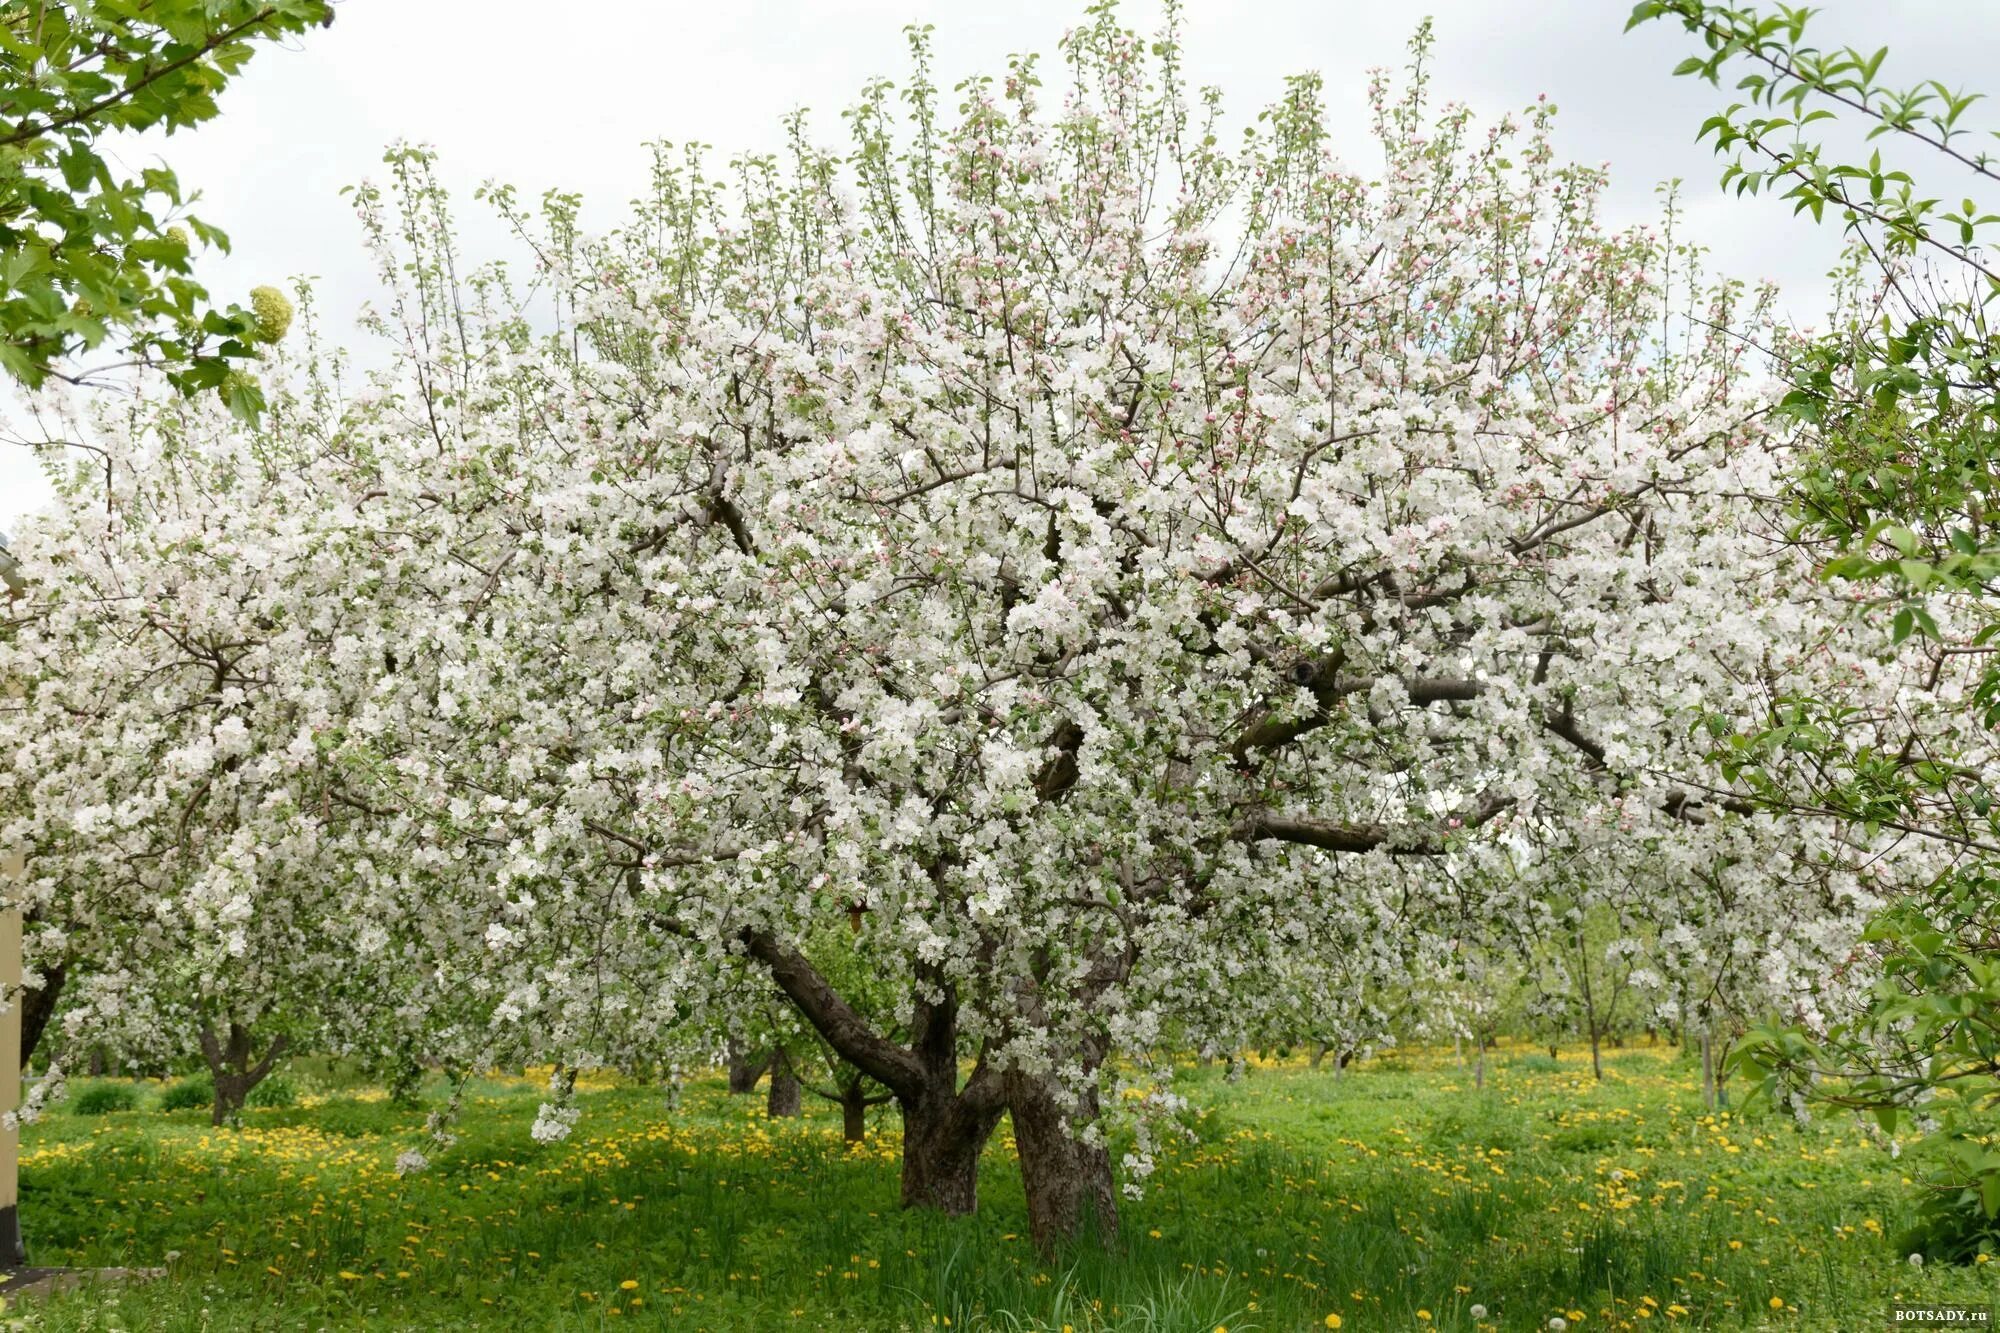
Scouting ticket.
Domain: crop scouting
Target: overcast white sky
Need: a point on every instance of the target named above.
(563, 95)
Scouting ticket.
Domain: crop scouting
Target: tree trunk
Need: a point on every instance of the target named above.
(1590, 1019)
(1707, 1070)
(1068, 1183)
(1318, 1054)
(786, 1092)
(232, 1071)
(1479, 1068)
(943, 1136)
(745, 1069)
(853, 1113)
(945, 1127)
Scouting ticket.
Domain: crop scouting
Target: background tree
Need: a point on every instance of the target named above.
(1899, 421)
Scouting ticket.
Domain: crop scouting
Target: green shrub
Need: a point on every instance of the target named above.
(1535, 1064)
(275, 1092)
(189, 1094)
(104, 1098)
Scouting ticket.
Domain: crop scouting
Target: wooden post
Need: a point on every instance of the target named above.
(12, 1253)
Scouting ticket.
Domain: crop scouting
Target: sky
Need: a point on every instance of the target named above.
(544, 96)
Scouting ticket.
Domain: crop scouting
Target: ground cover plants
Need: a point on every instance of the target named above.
(1395, 1196)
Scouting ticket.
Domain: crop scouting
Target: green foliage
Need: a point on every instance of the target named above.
(189, 1094)
(1923, 1053)
(104, 1099)
(1899, 425)
(1898, 405)
(276, 1092)
(84, 250)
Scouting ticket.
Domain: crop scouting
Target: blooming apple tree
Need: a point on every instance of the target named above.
(1039, 588)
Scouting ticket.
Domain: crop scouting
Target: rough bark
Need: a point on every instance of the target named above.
(1068, 1184)
(783, 1101)
(943, 1137)
(234, 1072)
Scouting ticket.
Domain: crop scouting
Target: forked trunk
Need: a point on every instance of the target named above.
(943, 1136)
(232, 1070)
(1068, 1183)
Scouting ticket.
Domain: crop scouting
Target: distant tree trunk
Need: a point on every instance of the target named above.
(1068, 1184)
(745, 1069)
(785, 1094)
(1318, 1054)
(850, 1094)
(1458, 1050)
(1722, 1076)
(1479, 1068)
(1590, 1018)
(231, 1068)
(96, 1065)
(853, 1113)
(1709, 1069)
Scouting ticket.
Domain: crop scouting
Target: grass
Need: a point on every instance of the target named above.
(1396, 1197)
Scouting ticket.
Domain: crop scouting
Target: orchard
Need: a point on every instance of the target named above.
(1224, 738)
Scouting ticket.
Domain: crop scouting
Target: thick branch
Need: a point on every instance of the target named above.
(844, 1029)
(1345, 837)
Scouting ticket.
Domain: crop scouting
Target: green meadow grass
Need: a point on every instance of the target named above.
(1393, 1197)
